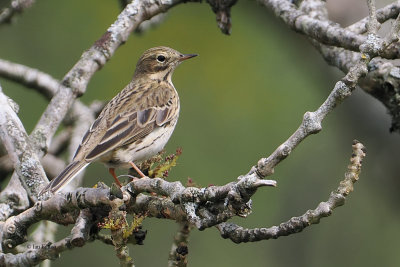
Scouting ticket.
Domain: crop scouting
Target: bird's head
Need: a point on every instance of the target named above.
(159, 62)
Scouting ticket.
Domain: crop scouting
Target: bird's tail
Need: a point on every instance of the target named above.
(64, 177)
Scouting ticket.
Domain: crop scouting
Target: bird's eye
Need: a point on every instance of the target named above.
(160, 58)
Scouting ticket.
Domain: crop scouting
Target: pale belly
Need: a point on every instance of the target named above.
(150, 146)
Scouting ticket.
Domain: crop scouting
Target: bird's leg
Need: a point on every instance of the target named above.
(112, 172)
(137, 169)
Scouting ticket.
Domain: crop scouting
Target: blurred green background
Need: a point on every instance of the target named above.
(241, 98)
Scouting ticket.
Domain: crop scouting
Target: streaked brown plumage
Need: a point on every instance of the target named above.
(136, 124)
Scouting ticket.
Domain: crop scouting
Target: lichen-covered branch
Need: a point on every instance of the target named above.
(337, 198)
(372, 24)
(64, 209)
(14, 137)
(52, 165)
(61, 208)
(80, 231)
(14, 198)
(232, 199)
(36, 255)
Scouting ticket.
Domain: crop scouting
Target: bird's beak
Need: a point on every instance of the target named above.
(187, 56)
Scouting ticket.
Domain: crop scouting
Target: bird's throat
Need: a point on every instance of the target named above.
(165, 76)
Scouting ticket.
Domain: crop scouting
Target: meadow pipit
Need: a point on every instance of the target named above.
(136, 124)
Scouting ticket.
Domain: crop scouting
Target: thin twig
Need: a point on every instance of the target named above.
(179, 249)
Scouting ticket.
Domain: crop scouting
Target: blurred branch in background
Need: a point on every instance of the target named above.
(8, 10)
(357, 50)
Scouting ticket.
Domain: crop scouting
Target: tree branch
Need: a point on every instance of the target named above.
(229, 200)
(337, 198)
(14, 137)
(311, 123)
(382, 80)
(61, 208)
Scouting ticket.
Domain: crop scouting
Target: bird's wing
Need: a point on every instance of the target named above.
(135, 120)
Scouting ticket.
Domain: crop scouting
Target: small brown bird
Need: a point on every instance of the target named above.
(136, 124)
